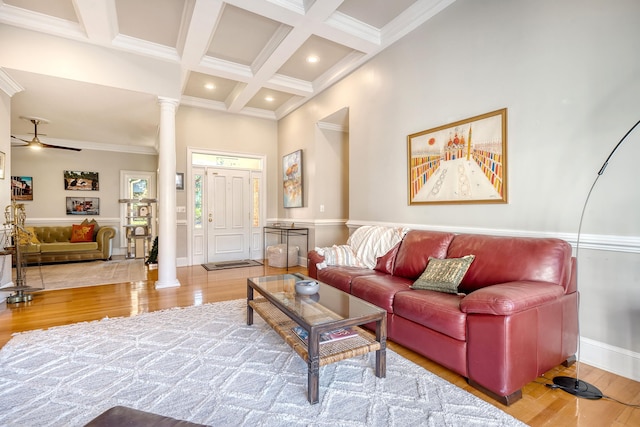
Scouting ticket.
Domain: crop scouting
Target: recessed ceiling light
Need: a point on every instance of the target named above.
(210, 86)
(312, 59)
(269, 98)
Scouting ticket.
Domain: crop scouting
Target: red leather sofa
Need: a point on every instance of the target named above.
(515, 318)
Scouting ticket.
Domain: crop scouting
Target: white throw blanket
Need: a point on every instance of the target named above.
(363, 247)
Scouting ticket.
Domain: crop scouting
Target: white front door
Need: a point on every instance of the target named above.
(228, 215)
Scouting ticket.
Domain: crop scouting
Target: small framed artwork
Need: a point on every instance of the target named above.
(292, 179)
(461, 162)
(81, 181)
(2, 163)
(83, 206)
(21, 188)
(179, 181)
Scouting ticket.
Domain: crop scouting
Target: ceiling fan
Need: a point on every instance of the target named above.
(35, 143)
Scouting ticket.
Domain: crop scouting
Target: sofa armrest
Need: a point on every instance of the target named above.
(103, 239)
(313, 258)
(508, 298)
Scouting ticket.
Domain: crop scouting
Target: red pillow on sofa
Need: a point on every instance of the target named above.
(386, 262)
(81, 233)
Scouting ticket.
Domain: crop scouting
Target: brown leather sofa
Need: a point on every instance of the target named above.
(515, 318)
(54, 245)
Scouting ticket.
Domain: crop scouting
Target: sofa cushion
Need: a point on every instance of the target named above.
(415, 250)
(68, 247)
(53, 233)
(379, 289)
(81, 233)
(341, 277)
(443, 275)
(434, 310)
(500, 259)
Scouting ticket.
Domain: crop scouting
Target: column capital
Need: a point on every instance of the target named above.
(171, 101)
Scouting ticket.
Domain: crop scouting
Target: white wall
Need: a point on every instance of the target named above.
(567, 71)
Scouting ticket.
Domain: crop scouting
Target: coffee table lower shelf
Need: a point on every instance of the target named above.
(364, 342)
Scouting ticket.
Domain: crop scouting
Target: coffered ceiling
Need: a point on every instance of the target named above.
(256, 57)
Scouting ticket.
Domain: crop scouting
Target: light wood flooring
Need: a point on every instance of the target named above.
(540, 406)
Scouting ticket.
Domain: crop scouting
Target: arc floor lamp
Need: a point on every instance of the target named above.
(575, 385)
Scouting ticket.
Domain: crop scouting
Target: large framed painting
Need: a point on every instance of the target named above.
(83, 206)
(81, 181)
(292, 179)
(461, 162)
(21, 188)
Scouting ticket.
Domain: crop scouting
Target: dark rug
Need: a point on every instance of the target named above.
(212, 266)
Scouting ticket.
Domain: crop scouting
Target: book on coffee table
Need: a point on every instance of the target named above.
(325, 337)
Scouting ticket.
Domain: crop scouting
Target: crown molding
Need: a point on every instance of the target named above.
(146, 48)
(39, 22)
(8, 85)
(349, 25)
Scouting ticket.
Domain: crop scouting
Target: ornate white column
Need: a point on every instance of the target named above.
(167, 276)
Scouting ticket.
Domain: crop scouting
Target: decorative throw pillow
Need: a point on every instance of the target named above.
(93, 222)
(386, 262)
(81, 233)
(444, 275)
(28, 237)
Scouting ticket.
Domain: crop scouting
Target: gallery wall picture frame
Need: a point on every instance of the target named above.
(83, 206)
(460, 162)
(2, 164)
(21, 188)
(180, 181)
(81, 181)
(292, 180)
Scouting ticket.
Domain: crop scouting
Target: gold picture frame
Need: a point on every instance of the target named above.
(461, 162)
(2, 164)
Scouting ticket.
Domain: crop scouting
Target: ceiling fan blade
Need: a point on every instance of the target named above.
(20, 139)
(59, 147)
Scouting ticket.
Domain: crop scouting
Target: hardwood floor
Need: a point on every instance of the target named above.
(540, 406)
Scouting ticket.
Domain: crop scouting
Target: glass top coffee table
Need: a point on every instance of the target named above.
(329, 310)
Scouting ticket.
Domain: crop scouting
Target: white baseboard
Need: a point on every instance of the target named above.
(613, 359)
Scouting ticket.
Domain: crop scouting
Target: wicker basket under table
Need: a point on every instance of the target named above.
(330, 352)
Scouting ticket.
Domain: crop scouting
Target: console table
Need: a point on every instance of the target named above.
(285, 232)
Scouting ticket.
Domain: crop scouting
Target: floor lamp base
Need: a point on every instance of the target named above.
(577, 387)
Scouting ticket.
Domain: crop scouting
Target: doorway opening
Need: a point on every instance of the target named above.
(225, 206)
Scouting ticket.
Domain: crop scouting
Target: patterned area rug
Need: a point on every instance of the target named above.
(204, 364)
(80, 274)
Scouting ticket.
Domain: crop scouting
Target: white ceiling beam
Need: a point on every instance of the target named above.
(205, 18)
(314, 17)
(99, 19)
